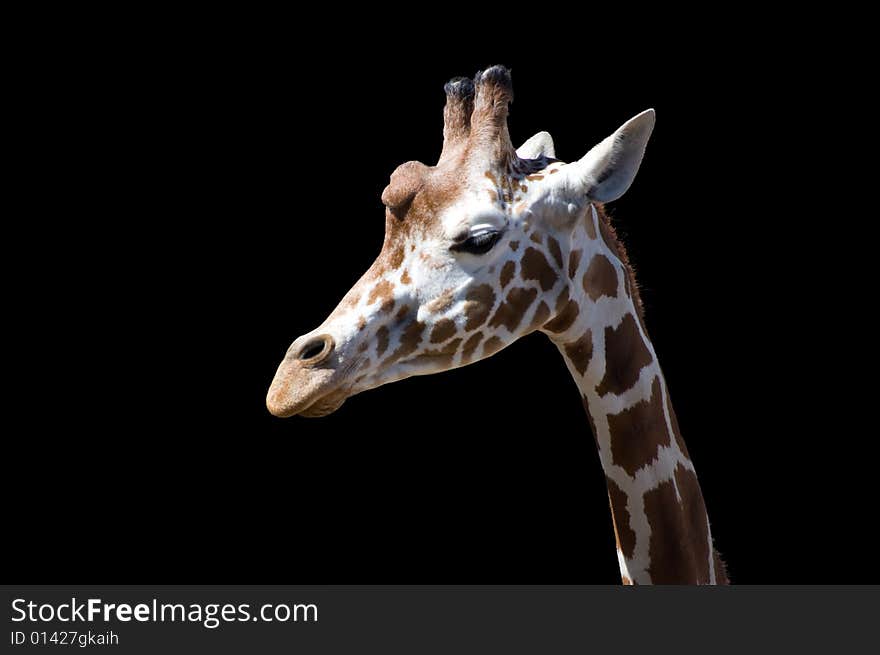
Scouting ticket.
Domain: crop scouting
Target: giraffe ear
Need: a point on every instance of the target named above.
(606, 172)
(540, 145)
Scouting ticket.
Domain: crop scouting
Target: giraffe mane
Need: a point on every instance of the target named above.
(609, 235)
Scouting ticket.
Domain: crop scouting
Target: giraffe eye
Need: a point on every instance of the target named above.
(477, 244)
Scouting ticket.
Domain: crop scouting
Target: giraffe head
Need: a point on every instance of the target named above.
(475, 255)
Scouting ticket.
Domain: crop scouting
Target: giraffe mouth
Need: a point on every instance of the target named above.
(324, 406)
(299, 390)
(283, 404)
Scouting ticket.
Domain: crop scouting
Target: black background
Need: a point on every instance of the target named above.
(215, 191)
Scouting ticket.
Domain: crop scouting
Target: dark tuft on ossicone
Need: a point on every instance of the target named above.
(460, 87)
(497, 76)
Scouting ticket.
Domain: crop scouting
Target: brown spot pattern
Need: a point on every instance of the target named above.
(626, 354)
(510, 312)
(441, 303)
(492, 346)
(362, 323)
(677, 530)
(535, 267)
(402, 313)
(382, 291)
(443, 329)
(443, 357)
(507, 272)
(555, 251)
(580, 352)
(409, 342)
(600, 278)
(481, 299)
(567, 311)
(405, 278)
(514, 245)
(396, 258)
(542, 313)
(670, 563)
(638, 432)
(623, 533)
(694, 519)
(450, 348)
(470, 346)
(588, 221)
(562, 299)
(536, 237)
(440, 360)
(574, 260)
(381, 341)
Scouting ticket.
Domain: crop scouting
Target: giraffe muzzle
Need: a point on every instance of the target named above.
(307, 383)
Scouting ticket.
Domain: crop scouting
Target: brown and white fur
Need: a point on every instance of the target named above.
(492, 244)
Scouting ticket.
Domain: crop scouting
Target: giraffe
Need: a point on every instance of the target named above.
(491, 244)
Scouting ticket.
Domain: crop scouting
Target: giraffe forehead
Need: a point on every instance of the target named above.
(450, 204)
(518, 192)
(454, 197)
(490, 199)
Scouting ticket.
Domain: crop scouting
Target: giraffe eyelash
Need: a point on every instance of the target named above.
(477, 244)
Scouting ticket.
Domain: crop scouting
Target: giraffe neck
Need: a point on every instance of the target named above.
(660, 522)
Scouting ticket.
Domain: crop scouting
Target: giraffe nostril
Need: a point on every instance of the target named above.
(317, 349)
